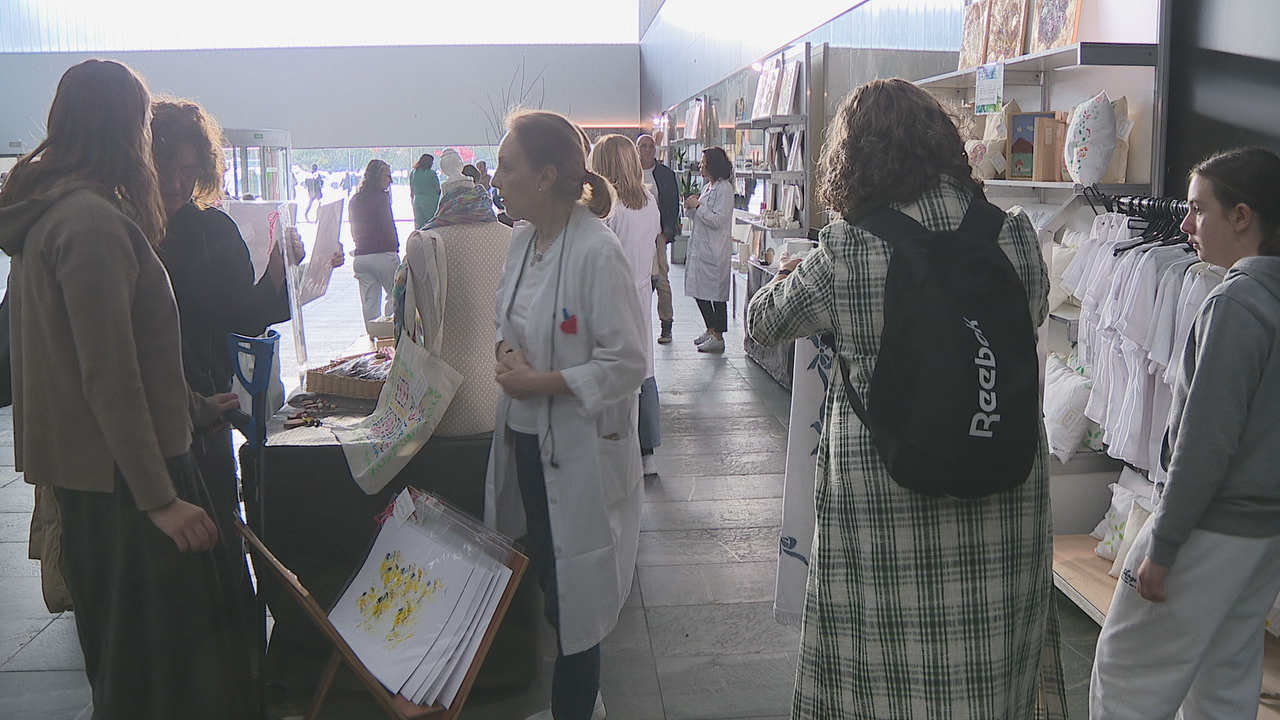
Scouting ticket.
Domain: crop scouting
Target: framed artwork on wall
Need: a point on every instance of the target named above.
(973, 42)
(1054, 24)
(1006, 29)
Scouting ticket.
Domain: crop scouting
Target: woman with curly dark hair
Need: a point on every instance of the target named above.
(916, 606)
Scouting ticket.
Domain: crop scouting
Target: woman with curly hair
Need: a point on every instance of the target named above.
(212, 277)
(916, 606)
(103, 415)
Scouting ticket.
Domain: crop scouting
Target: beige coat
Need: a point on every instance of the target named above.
(97, 355)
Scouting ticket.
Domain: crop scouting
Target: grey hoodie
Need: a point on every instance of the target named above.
(1224, 428)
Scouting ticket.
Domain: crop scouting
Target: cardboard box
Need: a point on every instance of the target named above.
(1050, 135)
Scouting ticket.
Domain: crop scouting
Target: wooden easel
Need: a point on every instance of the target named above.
(394, 706)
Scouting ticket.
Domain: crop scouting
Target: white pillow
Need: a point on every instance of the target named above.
(1118, 170)
(1139, 513)
(1060, 257)
(1091, 140)
(1111, 530)
(1066, 393)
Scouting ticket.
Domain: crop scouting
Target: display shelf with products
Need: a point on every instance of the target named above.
(773, 121)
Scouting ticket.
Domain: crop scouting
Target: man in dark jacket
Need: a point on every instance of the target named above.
(663, 179)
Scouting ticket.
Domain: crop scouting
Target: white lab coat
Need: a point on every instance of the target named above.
(590, 447)
(707, 264)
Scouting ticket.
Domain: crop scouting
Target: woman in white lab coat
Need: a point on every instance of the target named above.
(707, 266)
(565, 463)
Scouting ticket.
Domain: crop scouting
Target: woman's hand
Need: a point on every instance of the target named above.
(226, 402)
(293, 243)
(502, 348)
(692, 202)
(1151, 578)
(518, 378)
(189, 526)
(339, 258)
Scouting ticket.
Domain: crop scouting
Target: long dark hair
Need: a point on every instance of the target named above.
(889, 142)
(375, 167)
(1248, 176)
(549, 139)
(176, 122)
(98, 133)
(719, 166)
(425, 162)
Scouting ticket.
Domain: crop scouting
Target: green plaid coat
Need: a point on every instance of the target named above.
(916, 607)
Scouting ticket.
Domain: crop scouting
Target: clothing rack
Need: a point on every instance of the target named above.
(1162, 215)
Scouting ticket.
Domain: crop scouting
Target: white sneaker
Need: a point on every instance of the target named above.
(702, 338)
(597, 714)
(712, 344)
(650, 468)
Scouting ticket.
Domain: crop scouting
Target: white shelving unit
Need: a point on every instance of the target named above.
(1031, 69)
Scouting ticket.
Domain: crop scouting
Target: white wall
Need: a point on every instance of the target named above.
(693, 44)
(351, 97)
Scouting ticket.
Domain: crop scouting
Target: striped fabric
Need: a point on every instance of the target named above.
(916, 607)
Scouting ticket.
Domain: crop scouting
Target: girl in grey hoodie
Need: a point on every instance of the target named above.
(1185, 630)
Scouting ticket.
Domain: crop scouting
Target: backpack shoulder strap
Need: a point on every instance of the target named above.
(854, 399)
(889, 224)
(982, 219)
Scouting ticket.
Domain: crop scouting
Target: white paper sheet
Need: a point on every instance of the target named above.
(429, 664)
(253, 217)
(319, 267)
(400, 601)
(454, 635)
(475, 636)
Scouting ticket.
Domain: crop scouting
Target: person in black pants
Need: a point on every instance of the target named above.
(708, 265)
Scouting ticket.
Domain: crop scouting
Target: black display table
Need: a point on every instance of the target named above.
(320, 524)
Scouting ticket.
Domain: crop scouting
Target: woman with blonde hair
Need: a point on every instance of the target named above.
(916, 606)
(102, 412)
(570, 354)
(637, 223)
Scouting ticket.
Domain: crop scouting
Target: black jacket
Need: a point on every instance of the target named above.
(213, 282)
(668, 200)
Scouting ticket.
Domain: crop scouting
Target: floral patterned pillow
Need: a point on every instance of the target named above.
(1091, 140)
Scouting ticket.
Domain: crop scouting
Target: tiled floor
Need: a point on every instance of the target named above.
(697, 640)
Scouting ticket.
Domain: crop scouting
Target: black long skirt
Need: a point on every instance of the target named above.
(163, 632)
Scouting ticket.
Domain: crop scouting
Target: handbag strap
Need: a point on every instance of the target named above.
(428, 270)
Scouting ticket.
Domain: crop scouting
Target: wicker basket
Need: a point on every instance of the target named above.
(319, 380)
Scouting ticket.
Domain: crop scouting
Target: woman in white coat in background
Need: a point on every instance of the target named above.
(708, 263)
(638, 224)
(570, 359)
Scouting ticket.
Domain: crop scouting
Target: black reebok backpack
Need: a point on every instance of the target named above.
(954, 404)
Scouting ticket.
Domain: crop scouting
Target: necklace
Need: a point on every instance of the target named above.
(539, 254)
